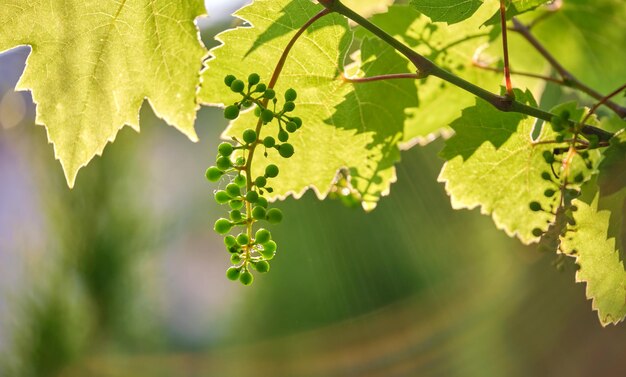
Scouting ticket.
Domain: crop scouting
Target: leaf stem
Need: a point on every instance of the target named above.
(427, 68)
(505, 51)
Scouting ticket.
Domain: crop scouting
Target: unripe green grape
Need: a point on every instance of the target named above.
(231, 112)
(225, 149)
(237, 86)
(269, 94)
(235, 215)
(233, 273)
(242, 239)
(286, 150)
(262, 202)
(269, 142)
(236, 204)
(268, 250)
(240, 161)
(240, 180)
(267, 254)
(233, 190)
(579, 178)
(261, 88)
(565, 115)
(260, 181)
(235, 258)
(252, 196)
(289, 106)
(246, 103)
(537, 232)
(269, 189)
(559, 138)
(262, 235)
(228, 80)
(267, 115)
(257, 111)
(246, 278)
(258, 213)
(223, 163)
(546, 176)
(262, 266)
(291, 127)
(549, 193)
(222, 197)
(290, 95)
(271, 171)
(548, 157)
(557, 124)
(274, 215)
(534, 206)
(230, 241)
(297, 121)
(222, 226)
(214, 174)
(253, 79)
(249, 136)
(283, 136)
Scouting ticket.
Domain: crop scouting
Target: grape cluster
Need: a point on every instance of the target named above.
(565, 181)
(244, 193)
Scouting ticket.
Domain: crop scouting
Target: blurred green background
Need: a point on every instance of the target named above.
(123, 275)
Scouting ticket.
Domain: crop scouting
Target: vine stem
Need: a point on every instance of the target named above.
(426, 68)
(391, 76)
(505, 51)
(275, 75)
(603, 101)
(568, 78)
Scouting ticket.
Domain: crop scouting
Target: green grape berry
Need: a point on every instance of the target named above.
(233, 190)
(258, 213)
(269, 142)
(223, 163)
(261, 88)
(225, 149)
(268, 250)
(252, 196)
(546, 176)
(283, 135)
(230, 241)
(246, 278)
(297, 121)
(262, 235)
(240, 161)
(286, 150)
(262, 266)
(274, 215)
(222, 197)
(253, 79)
(289, 106)
(213, 174)
(537, 232)
(237, 86)
(549, 193)
(236, 204)
(291, 127)
(228, 80)
(249, 136)
(260, 181)
(231, 112)
(290, 95)
(222, 226)
(548, 157)
(233, 273)
(535, 206)
(235, 258)
(235, 215)
(269, 94)
(240, 180)
(242, 239)
(262, 202)
(246, 103)
(271, 171)
(267, 115)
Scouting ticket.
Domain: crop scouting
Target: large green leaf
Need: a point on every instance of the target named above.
(94, 62)
(449, 11)
(346, 126)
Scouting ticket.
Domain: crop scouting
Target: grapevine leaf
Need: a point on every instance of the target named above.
(450, 46)
(596, 242)
(94, 62)
(449, 11)
(493, 163)
(368, 7)
(332, 137)
(515, 8)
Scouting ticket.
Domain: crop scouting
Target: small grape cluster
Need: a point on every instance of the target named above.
(566, 182)
(243, 193)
